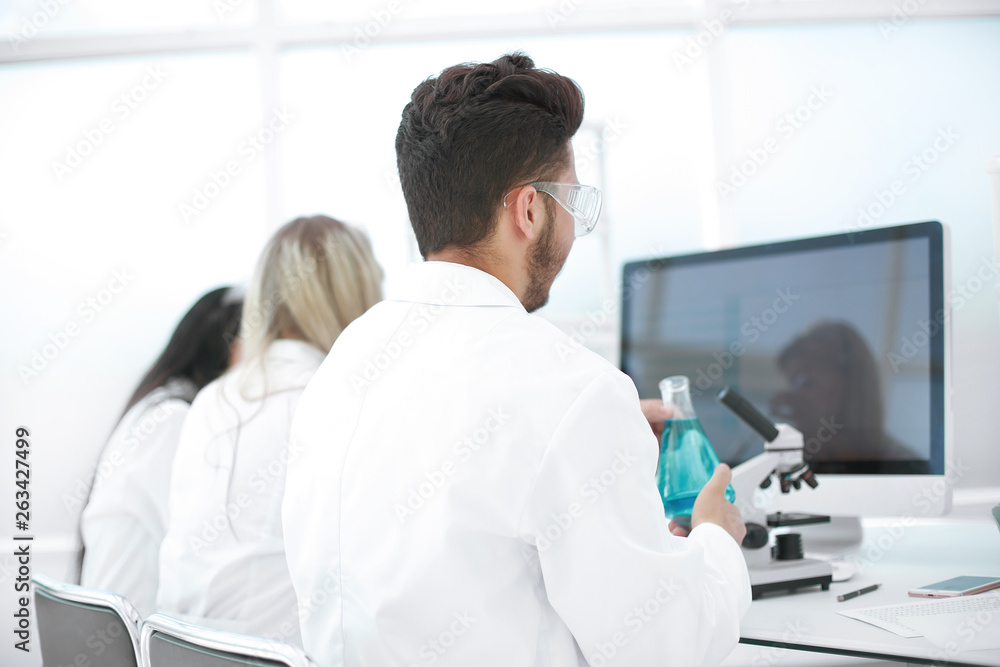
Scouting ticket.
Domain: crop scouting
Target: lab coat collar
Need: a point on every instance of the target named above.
(179, 387)
(291, 349)
(451, 284)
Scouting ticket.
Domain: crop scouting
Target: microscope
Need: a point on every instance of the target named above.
(781, 567)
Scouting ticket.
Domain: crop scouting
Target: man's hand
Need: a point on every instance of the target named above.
(656, 412)
(711, 505)
(678, 529)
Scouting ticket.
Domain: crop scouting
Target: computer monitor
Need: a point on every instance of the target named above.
(846, 337)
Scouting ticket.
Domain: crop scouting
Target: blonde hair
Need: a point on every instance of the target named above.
(315, 276)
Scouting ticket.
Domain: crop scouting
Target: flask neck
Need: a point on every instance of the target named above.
(677, 395)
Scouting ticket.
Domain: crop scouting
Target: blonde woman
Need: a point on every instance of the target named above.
(222, 563)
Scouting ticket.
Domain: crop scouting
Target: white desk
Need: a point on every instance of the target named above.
(915, 556)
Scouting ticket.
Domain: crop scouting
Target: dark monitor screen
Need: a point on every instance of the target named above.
(841, 336)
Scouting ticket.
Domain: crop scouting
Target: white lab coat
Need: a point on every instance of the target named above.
(472, 487)
(222, 563)
(125, 518)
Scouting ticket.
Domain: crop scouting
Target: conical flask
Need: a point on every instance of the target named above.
(687, 459)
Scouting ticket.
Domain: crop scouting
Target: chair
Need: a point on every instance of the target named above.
(169, 642)
(74, 621)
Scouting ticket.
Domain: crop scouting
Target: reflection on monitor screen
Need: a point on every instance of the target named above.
(840, 336)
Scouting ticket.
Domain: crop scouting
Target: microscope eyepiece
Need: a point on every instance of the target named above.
(746, 411)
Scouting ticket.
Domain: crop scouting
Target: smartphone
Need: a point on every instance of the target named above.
(956, 587)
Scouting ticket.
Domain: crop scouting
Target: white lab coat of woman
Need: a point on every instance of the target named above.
(222, 563)
(125, 519)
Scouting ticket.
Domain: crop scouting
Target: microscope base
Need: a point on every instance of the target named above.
(790, 575)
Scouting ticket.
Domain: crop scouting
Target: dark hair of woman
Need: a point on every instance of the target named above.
(198, 351)
(199, 348)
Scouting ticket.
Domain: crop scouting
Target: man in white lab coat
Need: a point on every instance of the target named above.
(469, 487)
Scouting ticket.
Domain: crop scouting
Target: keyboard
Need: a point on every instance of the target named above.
(892, 617)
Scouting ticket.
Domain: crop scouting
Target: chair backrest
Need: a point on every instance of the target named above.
(169, 642)
(74, 621)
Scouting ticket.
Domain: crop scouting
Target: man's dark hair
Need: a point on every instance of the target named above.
(470, 135)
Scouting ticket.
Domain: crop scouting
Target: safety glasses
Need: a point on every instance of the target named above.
(583, 202)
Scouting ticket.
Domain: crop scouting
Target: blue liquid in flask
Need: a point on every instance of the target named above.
(686, 464)
(687, 459)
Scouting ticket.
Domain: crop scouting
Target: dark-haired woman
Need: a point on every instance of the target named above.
(125, 518)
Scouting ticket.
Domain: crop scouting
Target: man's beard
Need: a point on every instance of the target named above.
(544, 264)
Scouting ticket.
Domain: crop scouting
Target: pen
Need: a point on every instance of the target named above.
(854, 594)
